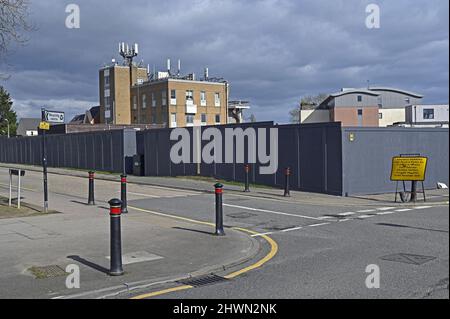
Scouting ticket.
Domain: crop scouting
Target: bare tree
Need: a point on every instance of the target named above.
(13, 23)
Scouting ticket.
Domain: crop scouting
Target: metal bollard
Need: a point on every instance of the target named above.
(247, 178)
(219, 210)
(91, 198)
(115, 211)
(123, 193)
(287, 192)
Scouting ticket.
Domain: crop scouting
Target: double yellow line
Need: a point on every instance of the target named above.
(273, 251)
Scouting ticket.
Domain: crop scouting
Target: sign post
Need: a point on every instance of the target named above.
(48, 117)
(409, 168)
(44, 161)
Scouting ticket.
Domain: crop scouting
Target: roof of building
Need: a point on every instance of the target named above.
(382, 88)
(27, 124)
(354, 91)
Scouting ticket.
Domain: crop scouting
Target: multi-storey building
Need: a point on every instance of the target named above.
(161, 98)
(371, 107)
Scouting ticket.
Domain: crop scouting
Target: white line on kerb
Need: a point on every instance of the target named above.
(403, 210)
(270, 211)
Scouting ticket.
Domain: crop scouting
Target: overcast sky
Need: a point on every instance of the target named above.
(271, 51)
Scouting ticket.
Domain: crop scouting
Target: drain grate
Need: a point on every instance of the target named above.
(409, 259)
(203, 280)
(44, 272)
(241, 215)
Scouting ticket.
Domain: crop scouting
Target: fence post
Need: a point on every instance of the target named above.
(219, 210)
(91, 197)
(115, 210)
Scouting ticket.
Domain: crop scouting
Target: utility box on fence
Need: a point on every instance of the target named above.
(138, 165)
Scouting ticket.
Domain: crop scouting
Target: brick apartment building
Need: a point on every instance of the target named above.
(160, 98)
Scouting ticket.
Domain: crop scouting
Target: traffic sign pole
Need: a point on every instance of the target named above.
(44, 165)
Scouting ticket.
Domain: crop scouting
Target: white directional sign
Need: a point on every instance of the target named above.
(54, 117)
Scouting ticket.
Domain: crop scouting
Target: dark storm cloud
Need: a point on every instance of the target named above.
(272, 51)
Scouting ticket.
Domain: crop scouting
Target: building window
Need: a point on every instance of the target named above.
(153, 100)
(134, 102)
(380, 116)
(173, 120)
(107, 103)
(153, 118)
(359, 98)
(189, 119)
(144, 101)
(190, 95)
(203, 117)
(217, 99)
(428, 114)
(107, 81)
(360, 112)
(217, 117)
(164, 98)
(173, 97)
(203, 98)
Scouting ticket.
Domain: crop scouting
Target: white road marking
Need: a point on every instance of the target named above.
(326, 217)
(262, 234)
(385, 213)
(291, 229)
(365, 216)
(270, 211)
(385, 208)
(423, 207)
(317, 225)
(346, 214)
(366, 211)
(145, 195)
(403, 210)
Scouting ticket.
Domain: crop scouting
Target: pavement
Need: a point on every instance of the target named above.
(311, 245)
(158, 249)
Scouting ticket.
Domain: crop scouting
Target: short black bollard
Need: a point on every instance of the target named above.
(115, 211)
(123, 193)
(287, 191)
(247, 178)
(219, 210)
(91, 197)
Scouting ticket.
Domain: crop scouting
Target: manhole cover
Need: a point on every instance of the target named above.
(47, 271)
(203, 280)
(241, 215)
(409, 259)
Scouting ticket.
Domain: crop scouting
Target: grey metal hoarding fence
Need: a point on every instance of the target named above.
(313, 152)
(322, 157)
(100, 151)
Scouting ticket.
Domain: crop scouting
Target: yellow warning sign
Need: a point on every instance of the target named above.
(409, 168)
(44, 126)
